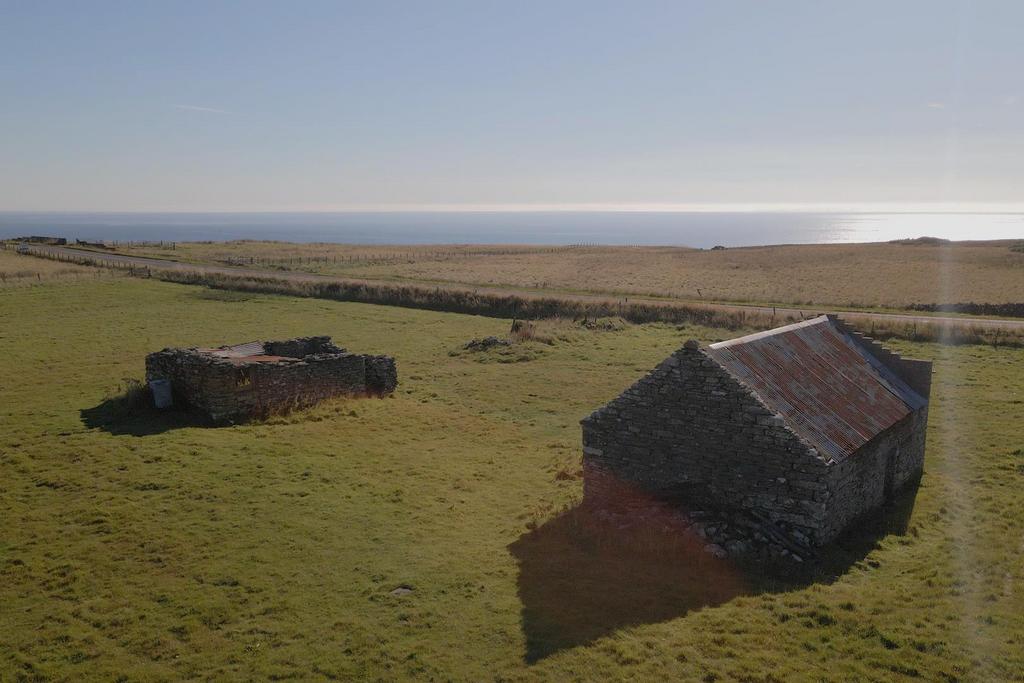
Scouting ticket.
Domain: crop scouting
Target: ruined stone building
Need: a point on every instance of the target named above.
(234, 383)
(796, 431)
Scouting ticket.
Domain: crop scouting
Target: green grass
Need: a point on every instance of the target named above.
(271, 550)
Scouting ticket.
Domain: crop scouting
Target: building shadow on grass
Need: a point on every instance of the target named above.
(121, 416)
(581, 578)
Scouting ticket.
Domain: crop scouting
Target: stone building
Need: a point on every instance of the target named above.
(234, 383)
(788, 435)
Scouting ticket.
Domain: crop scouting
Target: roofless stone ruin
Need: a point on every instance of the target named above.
(780, 440)
(255, 379)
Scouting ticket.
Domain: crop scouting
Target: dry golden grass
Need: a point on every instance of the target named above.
(536, 305)
(326, 257)
(17, 270)
(871, 275)
(864, 275)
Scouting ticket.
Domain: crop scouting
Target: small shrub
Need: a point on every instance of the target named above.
(133, 394)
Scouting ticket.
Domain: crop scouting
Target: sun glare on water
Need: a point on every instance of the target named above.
(883, 227)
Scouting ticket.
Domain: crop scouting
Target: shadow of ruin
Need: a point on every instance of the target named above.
(133, 414)
(589, 572)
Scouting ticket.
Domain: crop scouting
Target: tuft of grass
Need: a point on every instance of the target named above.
(130, 396)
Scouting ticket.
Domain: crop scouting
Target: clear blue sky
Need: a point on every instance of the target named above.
(332, 105)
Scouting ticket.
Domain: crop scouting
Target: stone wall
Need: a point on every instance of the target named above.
(864, 481)
(282, 386)
(381, 375)
(300, 347)
(236, 389)
(206, 383)
(690, 430)
(909, 458)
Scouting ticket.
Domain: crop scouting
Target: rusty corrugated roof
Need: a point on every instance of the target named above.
(245, 360)
(253, 348)
(827, 387)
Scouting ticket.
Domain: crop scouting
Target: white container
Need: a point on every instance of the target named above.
(161, 389)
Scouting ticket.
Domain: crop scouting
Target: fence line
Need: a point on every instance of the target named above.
(468, 300)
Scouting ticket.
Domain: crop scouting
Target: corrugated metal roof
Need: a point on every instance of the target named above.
(830, 390)
(253, 348)
(244, 360)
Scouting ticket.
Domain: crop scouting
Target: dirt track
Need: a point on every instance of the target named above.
(123, 260)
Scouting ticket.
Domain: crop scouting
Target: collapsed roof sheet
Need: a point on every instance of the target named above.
(253, 348)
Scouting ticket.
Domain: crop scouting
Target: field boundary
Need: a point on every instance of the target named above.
(505, 304)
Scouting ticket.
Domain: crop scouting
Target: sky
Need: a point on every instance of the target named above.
(327, 106)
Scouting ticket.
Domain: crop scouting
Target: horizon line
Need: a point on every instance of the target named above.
(745, 207)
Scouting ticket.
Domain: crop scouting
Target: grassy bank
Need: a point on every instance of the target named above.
(426, 536)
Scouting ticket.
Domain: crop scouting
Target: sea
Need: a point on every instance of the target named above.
(668, 228)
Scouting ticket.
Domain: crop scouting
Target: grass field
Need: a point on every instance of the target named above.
(17, 270)
(136, 546)
(851, 275)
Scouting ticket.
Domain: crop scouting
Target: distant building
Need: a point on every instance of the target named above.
(793, 433)
(234, 383)
(42, 239)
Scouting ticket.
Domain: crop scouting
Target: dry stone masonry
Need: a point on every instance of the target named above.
(235, 383)
(773, 444)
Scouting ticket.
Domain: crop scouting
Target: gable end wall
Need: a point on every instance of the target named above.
(690, 423)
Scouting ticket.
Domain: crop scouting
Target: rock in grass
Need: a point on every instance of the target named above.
(485, 343)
